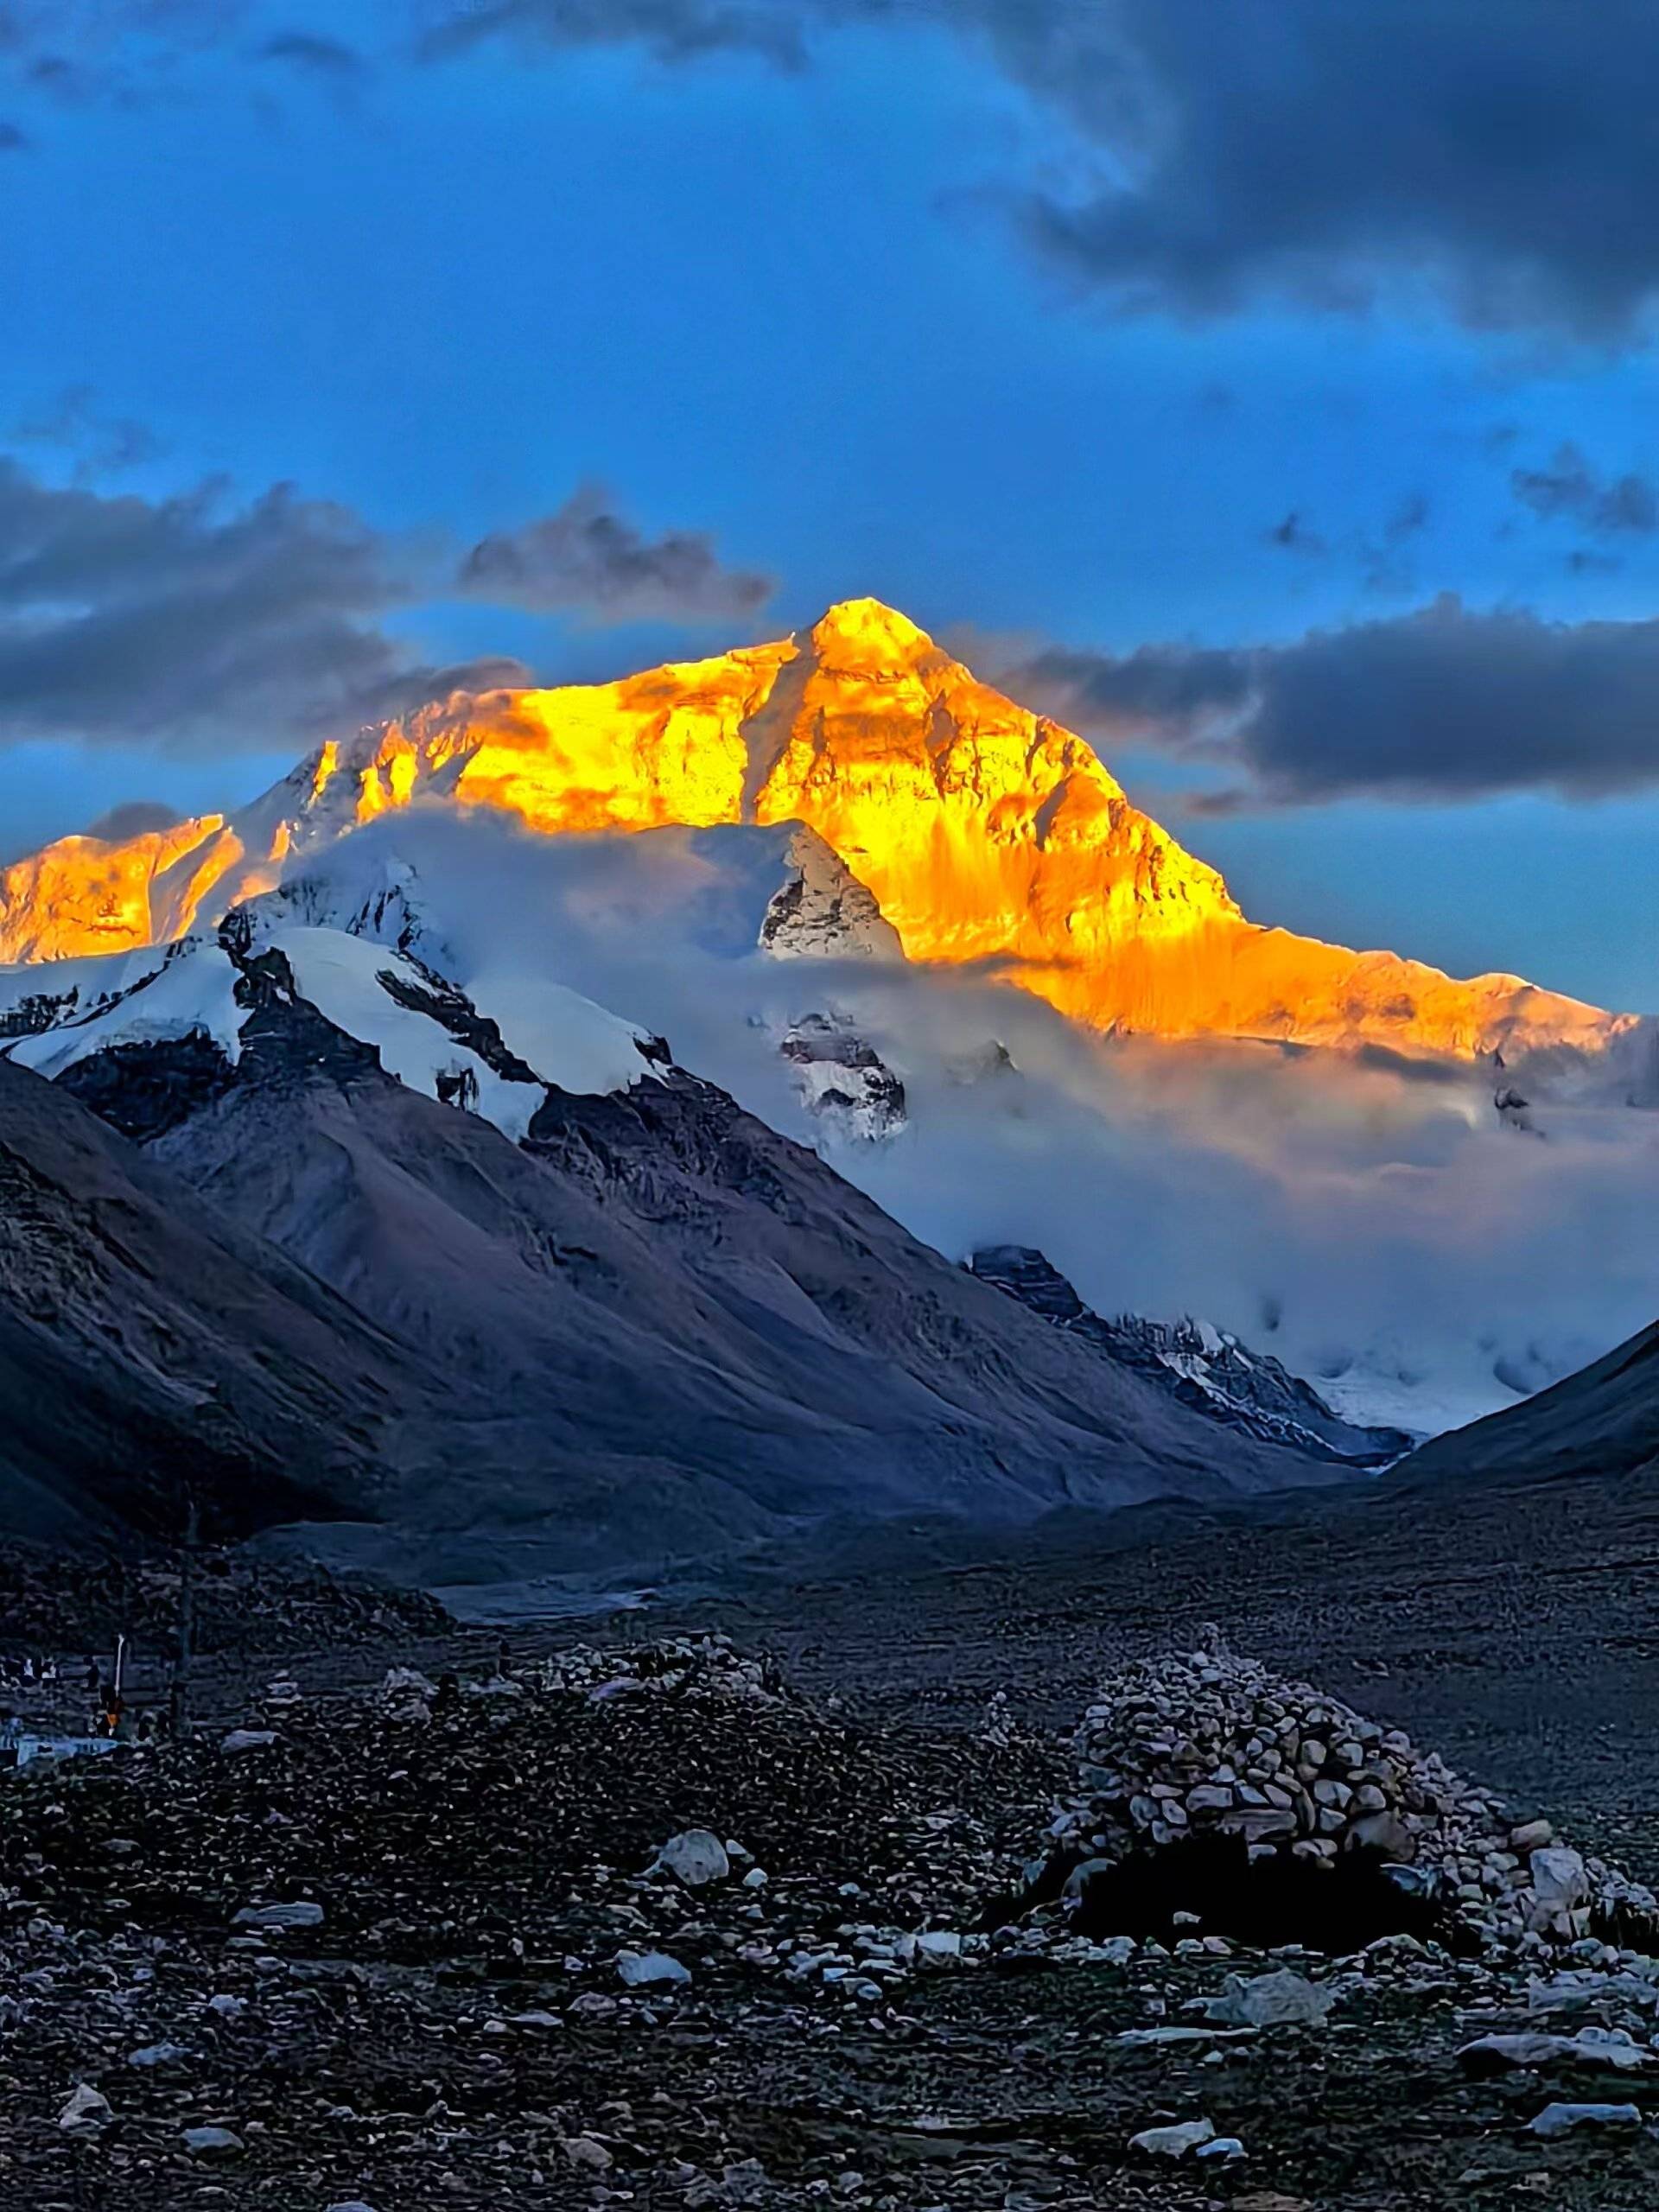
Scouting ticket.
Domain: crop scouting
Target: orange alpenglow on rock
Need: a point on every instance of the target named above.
(987, 834)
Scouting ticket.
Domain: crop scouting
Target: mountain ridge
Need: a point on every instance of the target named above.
(987, 836)
(649, 1325)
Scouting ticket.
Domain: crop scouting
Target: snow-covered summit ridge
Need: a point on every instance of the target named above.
(498, 1062)
(983, 832)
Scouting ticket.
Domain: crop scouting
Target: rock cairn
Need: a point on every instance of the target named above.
(1204, 1742)
(706, 1666)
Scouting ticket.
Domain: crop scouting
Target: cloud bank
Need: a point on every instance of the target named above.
(1444, 703)
(191, 620)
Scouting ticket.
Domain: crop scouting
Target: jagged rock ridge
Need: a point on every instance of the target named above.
(1207, 1370)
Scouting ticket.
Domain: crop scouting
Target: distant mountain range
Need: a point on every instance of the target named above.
(363, 1200)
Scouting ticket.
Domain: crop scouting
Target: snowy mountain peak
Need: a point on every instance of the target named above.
(867, 634)
(983, 833)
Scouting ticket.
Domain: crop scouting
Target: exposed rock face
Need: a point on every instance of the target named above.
(1204, 1369)
(843, 1080)
(983, 833)
(823, 912)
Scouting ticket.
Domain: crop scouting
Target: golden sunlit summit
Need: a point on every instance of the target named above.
(987, 834)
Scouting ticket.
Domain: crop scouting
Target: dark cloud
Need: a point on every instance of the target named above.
(1569, 487)
(1409, 518)
(1294, 536)
(12, 140)
(1333, 155)
(102, 445)
(193, 620)
(122, 53)
(133, 818)
(585, 558)
(310, 54)
(673, 30)
(1380, 555)
(186, 620)
(1440, 704)
(1233, 152)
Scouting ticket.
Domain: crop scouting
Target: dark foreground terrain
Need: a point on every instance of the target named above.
(446, 2021)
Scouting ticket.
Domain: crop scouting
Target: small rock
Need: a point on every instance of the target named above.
(1220, 2147)
(85, 2111)
(1272, 2000)
(1561, 2120)
(940, 1943)
(212, 2142)
(649, 1969)
(1558, 1879)
(694, 1857)
(586, 2151)
(1608, 2047)
(1174, 2142)
(303, 1913)
(157, 2053)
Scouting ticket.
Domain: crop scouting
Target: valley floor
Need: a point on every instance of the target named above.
(453, 2030)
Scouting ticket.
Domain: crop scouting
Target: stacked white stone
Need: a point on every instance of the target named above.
(1206, 1743)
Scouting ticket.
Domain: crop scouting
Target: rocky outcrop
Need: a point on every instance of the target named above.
(1206, 1369)
(842, 1081)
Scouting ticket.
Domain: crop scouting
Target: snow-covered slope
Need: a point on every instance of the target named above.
(498, 1063)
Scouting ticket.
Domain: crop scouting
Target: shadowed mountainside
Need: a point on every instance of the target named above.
(656, 1329)
(149, 1346)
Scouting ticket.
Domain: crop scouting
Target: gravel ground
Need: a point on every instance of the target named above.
(453, 2030)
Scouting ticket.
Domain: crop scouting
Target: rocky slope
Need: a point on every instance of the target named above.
(635, 1324)
(1605, 1420)
(1212, 1373)
(985, 834)
(149, 1347)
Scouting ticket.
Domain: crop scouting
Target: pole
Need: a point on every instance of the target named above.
(179, 1696)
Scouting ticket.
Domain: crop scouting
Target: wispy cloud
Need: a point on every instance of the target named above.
(588, 559)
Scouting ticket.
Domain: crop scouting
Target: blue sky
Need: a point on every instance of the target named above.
(801, 311)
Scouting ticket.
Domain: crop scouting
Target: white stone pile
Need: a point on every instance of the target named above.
(1204, 1743)
(695, 1666)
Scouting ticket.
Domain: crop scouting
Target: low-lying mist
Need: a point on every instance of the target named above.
(1373, 1223)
